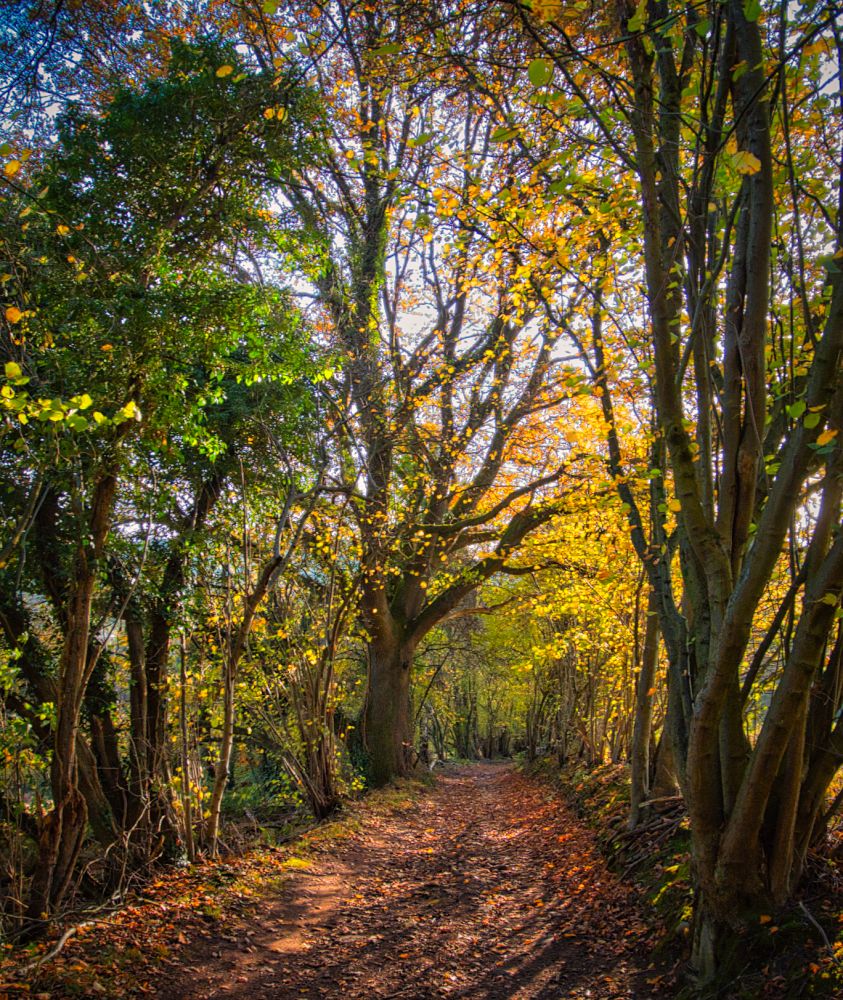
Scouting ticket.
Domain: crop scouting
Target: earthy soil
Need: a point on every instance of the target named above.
(486, 887)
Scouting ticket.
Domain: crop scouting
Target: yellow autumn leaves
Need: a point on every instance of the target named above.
(12, 166)
(547, 10)
(746, 162)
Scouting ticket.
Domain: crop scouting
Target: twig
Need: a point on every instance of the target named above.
(654, 826)
(62, 941)
(823, 934)
(663, 798)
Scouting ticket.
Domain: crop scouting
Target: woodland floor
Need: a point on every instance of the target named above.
(484, 887)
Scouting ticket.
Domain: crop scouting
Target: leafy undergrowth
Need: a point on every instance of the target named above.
(793, 953)
(118, 955)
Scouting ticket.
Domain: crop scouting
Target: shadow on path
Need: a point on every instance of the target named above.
(488, 889)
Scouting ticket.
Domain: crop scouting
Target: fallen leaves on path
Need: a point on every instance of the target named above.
(486, 887)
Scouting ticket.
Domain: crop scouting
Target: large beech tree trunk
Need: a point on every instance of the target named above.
(388, 725)
(422, 501)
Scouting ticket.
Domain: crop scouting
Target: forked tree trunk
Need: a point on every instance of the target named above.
(64, 828)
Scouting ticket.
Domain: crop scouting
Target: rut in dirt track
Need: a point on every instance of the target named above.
(488, 888)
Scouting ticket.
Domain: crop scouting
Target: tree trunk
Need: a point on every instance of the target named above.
(387, 718)
(64, 828)
(664, 781)
(235, 648)
(224, 763)
(186, 790)
(640, 753)
(101, 816)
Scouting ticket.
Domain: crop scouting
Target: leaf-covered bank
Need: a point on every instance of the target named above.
(793, 952)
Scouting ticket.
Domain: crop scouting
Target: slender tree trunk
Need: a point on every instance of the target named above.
(235, 648)
(224, 763)
(786, 806)
(187, 792)
(811, 818)
(160, 825)
(138, 708)
(640, 754)
(664, 782)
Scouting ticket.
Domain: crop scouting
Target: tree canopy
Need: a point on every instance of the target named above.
(385, 382)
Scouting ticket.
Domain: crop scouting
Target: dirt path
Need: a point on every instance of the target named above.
(487, 889)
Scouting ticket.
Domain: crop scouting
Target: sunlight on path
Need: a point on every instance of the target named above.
(488, 889)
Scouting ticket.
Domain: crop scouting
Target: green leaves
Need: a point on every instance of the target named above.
(752, 9)
(540, 72)
(638, 19)
(390, 49)
(163, 324)
(504, 134)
